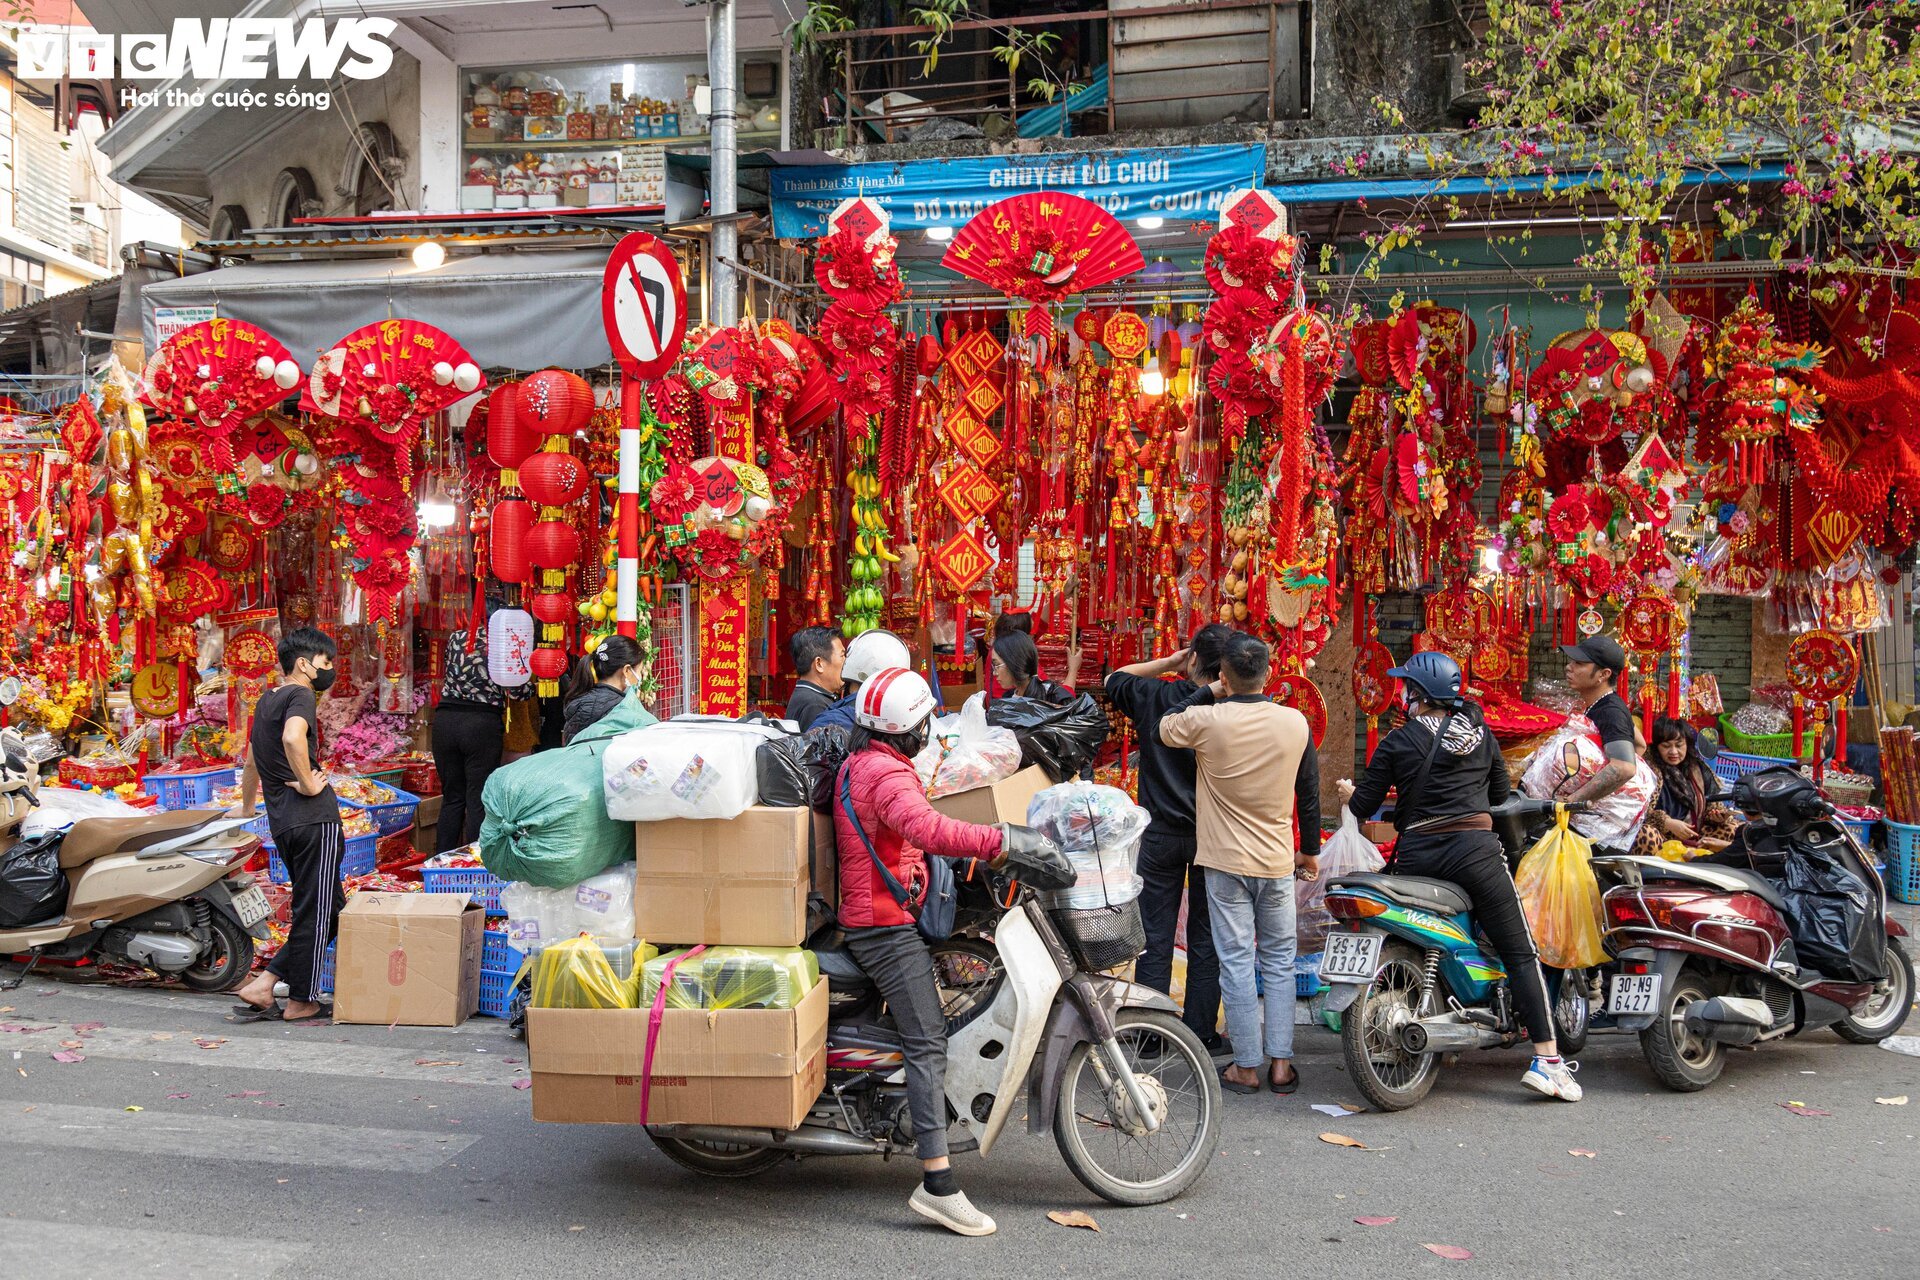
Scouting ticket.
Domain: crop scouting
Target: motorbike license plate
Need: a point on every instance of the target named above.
(1634, 993)
(1350, 957)
(251, 906)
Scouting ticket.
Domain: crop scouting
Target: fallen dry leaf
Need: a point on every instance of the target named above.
(161, 1035)
(73, 1044)
(249, 1093)
(84, 1027)
(136, 1108)
(1342, 1140)
(1581, 1151)
(435, 1062)
(1452, 1251)
(66, 1056)
(578, 1226)
(209, 1042)
(1376, 1222)
(523, 1084)
(173, 1096)
(1900, 1101)
(1802, 1109)
(1073, 1218)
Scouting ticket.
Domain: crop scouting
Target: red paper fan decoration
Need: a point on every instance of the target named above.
(217, 374)
(1304, 696)
(390, 376)
(1373, 688)
(1370, 355)
(1042, 246)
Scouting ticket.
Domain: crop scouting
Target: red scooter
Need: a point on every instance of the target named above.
(1708, 956)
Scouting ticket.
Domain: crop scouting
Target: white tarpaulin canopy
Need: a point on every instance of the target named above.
(524, 310)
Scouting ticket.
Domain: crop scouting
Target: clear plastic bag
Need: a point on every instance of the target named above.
(1347, 853)
(600, 905)
(1561, 899)
(1105, 878)
(732, 978)
(1612, 820)
(964, 752)
(1085, 815)
(576, 974)
(687, 767)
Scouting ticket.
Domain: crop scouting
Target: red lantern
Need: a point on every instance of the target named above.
(549, 667)
(553, 547)
(553, 479)
(557, 403)
(508, 538)
(553, 610)
(511, 438)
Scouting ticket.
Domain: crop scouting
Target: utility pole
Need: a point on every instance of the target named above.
(722, 186)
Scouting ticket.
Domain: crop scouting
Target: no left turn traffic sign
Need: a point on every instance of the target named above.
(643, 302)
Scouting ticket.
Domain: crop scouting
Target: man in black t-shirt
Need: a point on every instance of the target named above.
(1594, 667)
(1167, 850)
(303, 816)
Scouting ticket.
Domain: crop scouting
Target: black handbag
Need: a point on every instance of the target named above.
(935, 917)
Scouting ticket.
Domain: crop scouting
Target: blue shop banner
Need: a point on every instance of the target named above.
(1187, 183)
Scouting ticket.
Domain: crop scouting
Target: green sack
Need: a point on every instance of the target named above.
(547, 820)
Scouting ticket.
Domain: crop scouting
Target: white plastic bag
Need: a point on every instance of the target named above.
(1085, 815)
(601, 905)
(1613, 820)
(61, 807)
(1347, 853)
(964, 752)
(687, 767)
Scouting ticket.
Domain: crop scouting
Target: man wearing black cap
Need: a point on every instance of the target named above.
(1593, 667)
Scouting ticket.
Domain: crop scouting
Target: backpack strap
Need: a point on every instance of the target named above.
(894, 887)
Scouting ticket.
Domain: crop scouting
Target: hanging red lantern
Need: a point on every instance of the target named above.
(553, 479)
(508, 539)
(553, 547)
(549, 666)
(511, 437)
(556, 402)
(553, 610)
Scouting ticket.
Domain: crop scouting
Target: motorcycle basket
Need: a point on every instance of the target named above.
(1103, 937)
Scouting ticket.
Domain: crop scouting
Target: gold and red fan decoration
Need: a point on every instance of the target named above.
(1042, 246)
(718, 515)
(217, 374)
(1822, 668)
(1293, 689)
(1374, 690)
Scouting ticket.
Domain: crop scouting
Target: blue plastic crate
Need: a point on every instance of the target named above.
(394, 815)
(1862, 829)
(1903, 861)
(1306, 976)
(482, 884)
(326, 972)
(185, 790)
(496, 993)
(499, 955)
(360, 857)
(1731, 766)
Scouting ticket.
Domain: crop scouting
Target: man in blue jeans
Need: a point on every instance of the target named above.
(1167, 873)
(1254, 760)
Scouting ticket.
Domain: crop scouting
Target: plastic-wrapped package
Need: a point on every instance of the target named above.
(964, 752)
(547, 821)
(815, 755)
(1613, 820)
(1105, 878)
(600, 905)
(1062, 739)
(1085, 815)
(575, 974)
(623, 957)
(687, 767)
(61, 807)
(732, 978)
(1347, 853)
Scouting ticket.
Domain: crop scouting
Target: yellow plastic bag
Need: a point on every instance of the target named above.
(1561, 898)
(575, 974)
(732, 978)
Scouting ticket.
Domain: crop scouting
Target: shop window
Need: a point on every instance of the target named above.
(370, 173)
(22, 280)
(230, 223)
(591, 134)
(294, 197)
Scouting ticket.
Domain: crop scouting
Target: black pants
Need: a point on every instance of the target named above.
(467, 742)
(311, 855)
(899, 963)
(1475, 861)
(1166, 873)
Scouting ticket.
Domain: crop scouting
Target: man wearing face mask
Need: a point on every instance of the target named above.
(303, 816)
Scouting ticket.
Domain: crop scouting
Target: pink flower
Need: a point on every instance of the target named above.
(1740, 523)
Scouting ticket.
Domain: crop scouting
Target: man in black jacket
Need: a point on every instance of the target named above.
(1144, 695)
(818, 654)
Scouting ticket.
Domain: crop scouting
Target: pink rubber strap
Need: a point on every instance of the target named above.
(653, 1027)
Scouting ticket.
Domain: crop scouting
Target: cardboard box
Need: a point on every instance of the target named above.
(408, 958)
(740, 882)
(1379, 832)
(1003, 801)
(759, 1068)
(476, 196)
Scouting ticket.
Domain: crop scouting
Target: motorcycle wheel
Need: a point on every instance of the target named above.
(967, 972)
(1882, 1015)
(1572, 1013)
(1386, 1074)
(230, 962)
(717, 1159)
(1179, 1071)
(1685, 1062)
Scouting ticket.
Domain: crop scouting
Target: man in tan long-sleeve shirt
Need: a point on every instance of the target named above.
(1254, 759)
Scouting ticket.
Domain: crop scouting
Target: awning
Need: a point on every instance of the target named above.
(509, 310)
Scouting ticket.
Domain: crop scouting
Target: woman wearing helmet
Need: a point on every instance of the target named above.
(1449, 774)
(870, 653)
(892, 826)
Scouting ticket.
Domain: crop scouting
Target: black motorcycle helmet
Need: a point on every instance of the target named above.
(1435, 675)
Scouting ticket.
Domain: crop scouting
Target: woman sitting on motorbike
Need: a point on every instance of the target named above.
(1682, 811)
(1449, 774)
(892, 825)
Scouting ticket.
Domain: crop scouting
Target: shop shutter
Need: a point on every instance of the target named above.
(42, 190)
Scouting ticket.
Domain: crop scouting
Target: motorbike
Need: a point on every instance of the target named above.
(164, 891)
(1414, 983)
(1128, 1091)
(1706, 953)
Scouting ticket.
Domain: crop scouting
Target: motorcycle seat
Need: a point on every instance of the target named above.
(843, 973)
(1442, 896)
(93, 838)
(1736, 879)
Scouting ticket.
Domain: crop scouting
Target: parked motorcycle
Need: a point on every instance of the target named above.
(1128, 1091)
(164, 891)
(1708, 955)
(1413, 982)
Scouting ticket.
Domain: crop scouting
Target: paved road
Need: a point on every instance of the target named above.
(269, 1151)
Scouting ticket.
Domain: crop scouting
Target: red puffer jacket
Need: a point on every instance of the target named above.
(897, 818)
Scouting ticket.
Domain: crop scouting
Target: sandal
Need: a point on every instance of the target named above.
(1234, 1086)
(243, 1013)
(1292, 1084)
(323, 1014)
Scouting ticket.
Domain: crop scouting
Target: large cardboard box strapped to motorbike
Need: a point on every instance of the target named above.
(738, 881)
(408, 958)
(1002, 801)
(758, 1068)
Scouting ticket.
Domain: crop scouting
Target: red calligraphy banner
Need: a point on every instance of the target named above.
(723, 648)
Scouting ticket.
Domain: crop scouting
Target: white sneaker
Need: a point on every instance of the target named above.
(1553, 1079)
(955, 1212)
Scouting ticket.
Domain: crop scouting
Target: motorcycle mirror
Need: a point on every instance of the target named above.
(1570, 757)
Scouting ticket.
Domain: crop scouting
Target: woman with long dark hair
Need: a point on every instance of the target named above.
(600, 682)
(1682, 810)
(1016, 668)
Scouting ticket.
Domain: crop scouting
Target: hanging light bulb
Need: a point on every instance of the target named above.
(428, 254)
(1152, 381)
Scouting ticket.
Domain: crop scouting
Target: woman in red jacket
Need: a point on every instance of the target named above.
(891, 817)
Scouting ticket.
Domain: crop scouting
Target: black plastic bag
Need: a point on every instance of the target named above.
(33, 888)
(1061, 738)
(799, 769)
(1833, 918)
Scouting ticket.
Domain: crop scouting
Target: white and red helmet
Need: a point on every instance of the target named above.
(872, 652)
(894, 701)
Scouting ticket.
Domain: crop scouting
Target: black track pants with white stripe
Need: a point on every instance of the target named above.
(312, 856)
